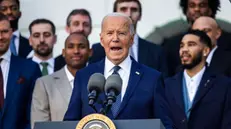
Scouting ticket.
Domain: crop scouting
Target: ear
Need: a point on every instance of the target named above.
(63, 52)
(67, 28)
(101, 39)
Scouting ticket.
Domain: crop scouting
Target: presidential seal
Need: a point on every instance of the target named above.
(95, 121)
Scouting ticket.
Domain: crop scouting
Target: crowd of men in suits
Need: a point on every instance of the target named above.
(185, 82)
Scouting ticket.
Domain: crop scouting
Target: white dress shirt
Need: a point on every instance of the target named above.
(5, 66)
(70, 77)
(133, 51)
(51, 64)
(209, 58)
(193, 83)
(16, 40)
(124, 72)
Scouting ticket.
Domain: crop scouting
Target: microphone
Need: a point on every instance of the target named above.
(95, 86)
(112, 89)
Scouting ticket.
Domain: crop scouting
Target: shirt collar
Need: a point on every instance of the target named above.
(16, 33)
(70, 77)
(124, 65)
(209, 58)
(7, 55)
(50, 61)
(197, 77)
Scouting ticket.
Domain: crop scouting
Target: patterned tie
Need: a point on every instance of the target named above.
(44, 69)
(12, 45)
(115, 106)
(1, 87)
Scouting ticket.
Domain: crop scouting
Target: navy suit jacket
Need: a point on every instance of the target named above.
(24, 47)
(149, 54)
(211, 107)
(142, 100)
(21, 79)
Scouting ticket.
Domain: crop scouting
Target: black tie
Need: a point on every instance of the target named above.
(1, 87)
(115, 106)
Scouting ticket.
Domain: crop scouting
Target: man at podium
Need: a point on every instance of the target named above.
(141, 92)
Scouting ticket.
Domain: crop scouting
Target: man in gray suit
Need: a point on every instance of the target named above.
(52, 92)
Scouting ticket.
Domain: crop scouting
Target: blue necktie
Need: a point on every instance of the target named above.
(115, 106)
(12, 45)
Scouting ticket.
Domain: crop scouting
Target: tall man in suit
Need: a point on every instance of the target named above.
(193, 9)
(142, 51)
(219, 60)
(141, 88)
(17, 79)
(19, 45)
(198, 99)
(52, 93)
(42, 39)
(79, 20)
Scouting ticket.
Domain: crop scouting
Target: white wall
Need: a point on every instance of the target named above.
(155, 13)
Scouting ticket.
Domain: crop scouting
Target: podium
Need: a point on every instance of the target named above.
(120, 124)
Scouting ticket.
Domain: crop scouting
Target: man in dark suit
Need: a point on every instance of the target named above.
(79, 20)
(42, 39)
(142, 51)
(141, 88)
(19, 45)
(193, 9)
(219, 60)
(197, 98)
(17, 79)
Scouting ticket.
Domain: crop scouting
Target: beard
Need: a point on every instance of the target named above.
(195, 61)
(14, 24)
(43, 52)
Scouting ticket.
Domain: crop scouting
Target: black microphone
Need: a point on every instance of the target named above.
(95, 87)
(112, 89)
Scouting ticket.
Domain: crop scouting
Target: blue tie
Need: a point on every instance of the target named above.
(115, 106)
(12, 45)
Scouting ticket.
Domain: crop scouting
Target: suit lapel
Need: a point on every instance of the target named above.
(142, 52)
(134, 79)
(63, 85)
(12, 83)
(177, 90)
(204, 87)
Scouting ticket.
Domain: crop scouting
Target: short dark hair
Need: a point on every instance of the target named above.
(78, 33)
(17, 2)
(3, 17)
(76, 12)
(121, 1)
(214, 5)
(204, 38)
(42, 21)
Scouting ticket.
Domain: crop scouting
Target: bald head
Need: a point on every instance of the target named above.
(209, 26)
(116, 15)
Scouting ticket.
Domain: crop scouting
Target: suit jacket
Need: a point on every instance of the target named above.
(142, 99)
(211, 106)
(172, 45)
(24, 47)
(21, 79)
(51, 97)
(149, 54)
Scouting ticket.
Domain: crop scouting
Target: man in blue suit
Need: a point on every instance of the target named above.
(142, 51)
(17, 79)
(198, 99)
(141, 94)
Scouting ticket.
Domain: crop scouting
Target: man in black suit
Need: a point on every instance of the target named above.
(142, 51)
(193, 9)
(219, 60)
(79, 20)
(197, 98)
(19, 45)
(42, 39)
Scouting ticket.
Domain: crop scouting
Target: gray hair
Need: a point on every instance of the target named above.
(116, 14)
